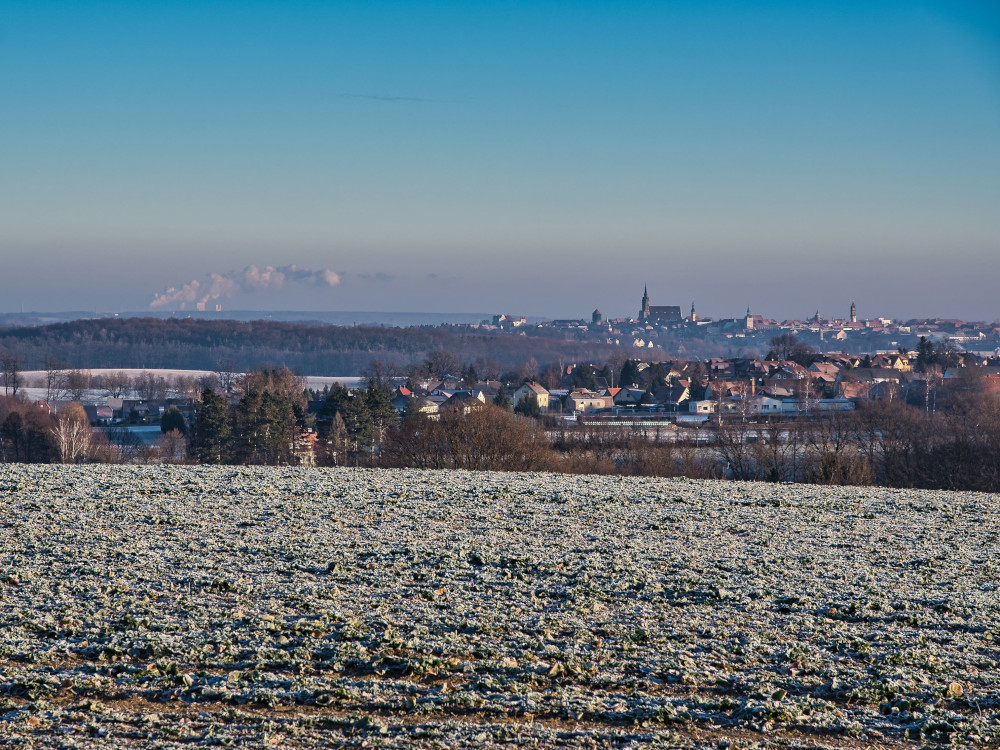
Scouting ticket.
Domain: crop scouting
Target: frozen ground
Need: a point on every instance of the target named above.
(253, 607)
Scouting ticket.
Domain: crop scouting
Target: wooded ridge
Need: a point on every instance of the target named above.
(314, 349)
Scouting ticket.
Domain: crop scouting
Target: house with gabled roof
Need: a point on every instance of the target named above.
(824, 368)
(777, 390)
(445, 386)
(464, 401)
(892, 361)
(748, 369)
(531, 388)
(719, 367)
(853, 391)
(725, 387)
(672, 397)
(582, 400)
(790, 371)
(98, 414)
(628, 396)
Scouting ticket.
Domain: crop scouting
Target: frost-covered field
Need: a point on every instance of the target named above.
(173, 606)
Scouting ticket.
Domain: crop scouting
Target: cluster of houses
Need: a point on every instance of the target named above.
(693, 390)
(135, 411)
(450, 394)
(679, 390)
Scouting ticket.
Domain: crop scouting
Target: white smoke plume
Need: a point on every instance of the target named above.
(250, 279)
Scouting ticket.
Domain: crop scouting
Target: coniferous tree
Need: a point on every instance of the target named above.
(334, 446)
(583, 377)
(357, 424)
(629, 375)
(655, 376)
(173, 420)
(334, 403)
(265, 427)
(378, 399)
(470, 377)
(210, 432)
(528, 406)
(279, 423)
(502, 399)
(330, 430)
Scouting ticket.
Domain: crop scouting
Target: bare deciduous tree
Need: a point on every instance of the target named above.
(115, 384)
(487, 437)
(275, 380)
(72, 433)
(150, 387)
(188, 386)
(55, 378)
(11, 365)
(528, 370)
(552, 376)
(443, 363)
(77, 383)
(487, 368)
(125, 446)
(382, 372)
(172, 447)
(227, 373)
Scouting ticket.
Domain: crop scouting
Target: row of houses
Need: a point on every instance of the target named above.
(442, 397)
(747, 386)
(135, 411)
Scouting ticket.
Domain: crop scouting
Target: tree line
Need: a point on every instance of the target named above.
(190, 344)
(947, 438)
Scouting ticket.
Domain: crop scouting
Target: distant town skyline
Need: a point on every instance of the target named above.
(657, 314)
(539, 159)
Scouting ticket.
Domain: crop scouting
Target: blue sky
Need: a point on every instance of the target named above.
(537, 158)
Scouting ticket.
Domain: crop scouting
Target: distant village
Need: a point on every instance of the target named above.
(795, 380)
(808, 370)
(690, 392)
(805, 375)
(655, 323)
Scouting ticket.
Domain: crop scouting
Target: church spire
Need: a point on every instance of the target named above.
(644, 313)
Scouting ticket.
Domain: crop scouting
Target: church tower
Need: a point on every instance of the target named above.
(644, 314)
(694, 315)
(854, 313)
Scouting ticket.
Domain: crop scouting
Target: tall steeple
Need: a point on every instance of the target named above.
(694, 315)
(644, 313)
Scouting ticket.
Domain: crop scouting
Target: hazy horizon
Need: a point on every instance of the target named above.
(403, 318)
(543, 159)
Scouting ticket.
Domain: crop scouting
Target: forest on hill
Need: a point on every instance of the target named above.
(303, 348)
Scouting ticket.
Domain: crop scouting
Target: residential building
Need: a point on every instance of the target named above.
(532, 388)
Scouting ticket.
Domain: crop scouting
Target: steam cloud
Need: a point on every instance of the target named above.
(250, 279)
